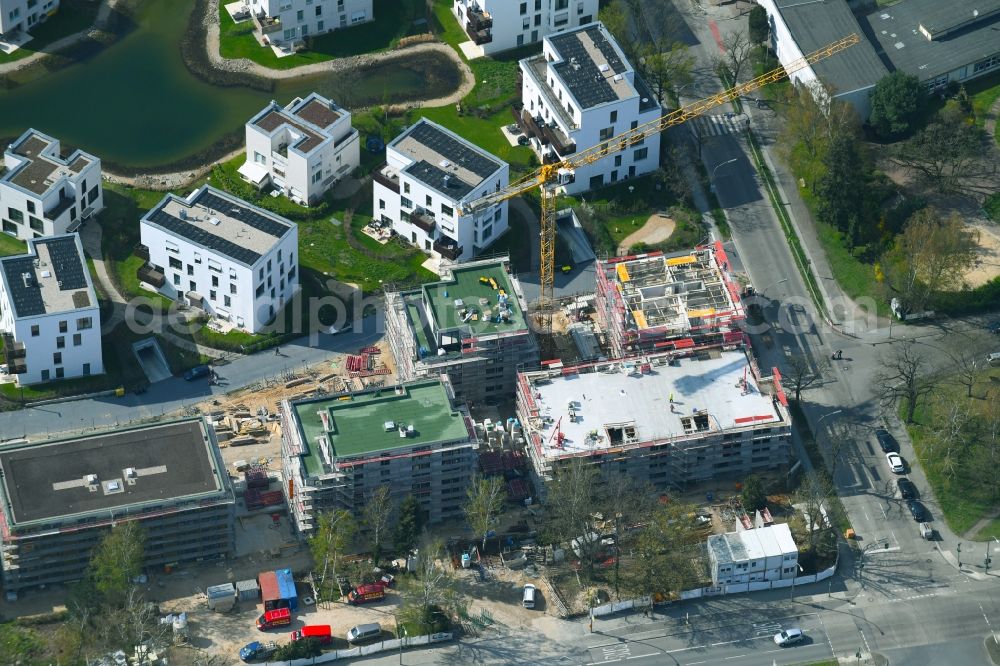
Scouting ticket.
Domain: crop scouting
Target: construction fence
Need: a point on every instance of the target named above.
(365, 650)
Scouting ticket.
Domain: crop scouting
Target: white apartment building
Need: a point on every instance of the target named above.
(430, 175)
(23, 15)
(501, 25)
(235, 261)
(581, 91)
(287, 22)
(49, 317)
(753, 556)
(46, 193)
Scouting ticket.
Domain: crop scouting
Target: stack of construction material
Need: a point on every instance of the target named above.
(518, 490)
(256, 499)
(256, 477)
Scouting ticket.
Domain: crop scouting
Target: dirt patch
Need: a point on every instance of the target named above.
(656, 230)
(988, 262)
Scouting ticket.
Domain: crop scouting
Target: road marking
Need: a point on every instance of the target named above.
(616, 652)
(829, 641)
(867, 648)
(984, 616)
(864, 511)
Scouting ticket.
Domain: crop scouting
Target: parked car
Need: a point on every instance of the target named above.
(787, 637)
(885, 440)
(257, 650)
(196, 372)
(896, 463)
(917, 510)
(363, 632)
(906, 489)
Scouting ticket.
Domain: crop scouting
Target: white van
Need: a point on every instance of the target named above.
(994, 359)
(528, 598)
(363, 631)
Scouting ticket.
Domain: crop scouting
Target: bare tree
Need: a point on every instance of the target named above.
(965, 362)
(430, 594)
(905, 375)
(136, 626)
(486, 499)
(570, 508)
(737, 54)
(800, 374)
(666, 69)
(951, 436)
(625, 505)
(376, 516)
(813, 499)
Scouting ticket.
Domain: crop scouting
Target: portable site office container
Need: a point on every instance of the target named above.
(277, 589)
(247, 590)
(221, 597)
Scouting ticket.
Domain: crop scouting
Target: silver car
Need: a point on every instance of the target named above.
(788, 637)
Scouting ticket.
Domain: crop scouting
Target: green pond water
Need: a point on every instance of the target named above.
(135, 103)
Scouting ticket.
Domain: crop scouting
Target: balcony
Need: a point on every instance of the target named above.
(531, 126)
(63, 205)
(447, 248)
(150, 275)
(478, 27)
(561, 143)
(424, 220)
(141, 251)
(387, 177)
(14, 353)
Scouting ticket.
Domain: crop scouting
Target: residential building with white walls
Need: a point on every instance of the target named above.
(216, 252)
(501, 25)
(303, 149)
(24, 15)
(579, 92)
(49, 317)
(44, 192)
(423, 190)
(286, 23)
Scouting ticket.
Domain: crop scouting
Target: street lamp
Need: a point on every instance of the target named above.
(711, 185)
(763, 291)
(791, 594)
(401, 638)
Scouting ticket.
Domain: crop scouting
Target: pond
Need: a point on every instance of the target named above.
(135, 103)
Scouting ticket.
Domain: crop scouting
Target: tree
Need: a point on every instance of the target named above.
(570, 509)
(305, 648)
(626, 505)
(328, 544)
(486, 499)
(666, 70)
(809, 129)
(846, 172)
(948, 153)
(905, 375)
(117, 561)
(800, 375)
(737, 53)
(409, 525)
(965, 361)
(931, 256)
(895, 103)
(431, 598)
(753, 496)
(813, 500)
(376, 514)
(758, 24)
(666, 552)
(615, 18)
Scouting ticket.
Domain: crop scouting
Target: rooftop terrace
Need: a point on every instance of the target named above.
(617, 404)
(59, 282)
(41, 164)
(357, 425)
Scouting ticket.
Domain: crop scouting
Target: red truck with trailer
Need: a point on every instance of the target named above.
(321, 632)
(364, 594)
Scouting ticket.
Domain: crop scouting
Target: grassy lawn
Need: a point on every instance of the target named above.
(855, 277)
(72, 17)
(984, 92)
(10, 245)
(394, 19)
(962, 484)
(446, 26)
(484, 132)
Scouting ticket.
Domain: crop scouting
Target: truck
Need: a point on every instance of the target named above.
(257, 650)
(279, 617)
(364, 594)
(321, 632)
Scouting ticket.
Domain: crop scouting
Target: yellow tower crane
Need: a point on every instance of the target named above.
(546, 177)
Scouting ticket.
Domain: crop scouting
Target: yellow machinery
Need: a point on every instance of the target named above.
(547, 176)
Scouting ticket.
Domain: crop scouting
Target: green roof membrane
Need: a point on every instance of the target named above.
(357, 423)
(466, 286)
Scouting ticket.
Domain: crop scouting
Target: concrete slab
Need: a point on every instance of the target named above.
(151, 360)
(471, 50)
(12, 42)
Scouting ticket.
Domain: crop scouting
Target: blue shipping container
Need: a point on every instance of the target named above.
(286, 587)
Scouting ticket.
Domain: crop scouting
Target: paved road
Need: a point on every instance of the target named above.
(171, 395)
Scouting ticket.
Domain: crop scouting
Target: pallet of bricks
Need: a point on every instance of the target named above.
(363, 363)
(257, 496)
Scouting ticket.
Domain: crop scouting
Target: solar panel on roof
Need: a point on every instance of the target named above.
(579, 71)
(27, 297)
(202, 237)
(439, 179)
(453, 150)
(66, 263)
(242, 213)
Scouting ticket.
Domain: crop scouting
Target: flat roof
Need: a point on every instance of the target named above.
(220, 222)
(592, 66)
(480, 308)
(759, 543)
(614, 396)
(355, 424)
(317, 110)
(307, 117)
(41, 164)
(673, 292)
(106, 471)
(60, 282)
(444, 161)
(897, 34)
(814, 25)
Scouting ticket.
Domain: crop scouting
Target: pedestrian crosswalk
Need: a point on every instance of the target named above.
(718, 125)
